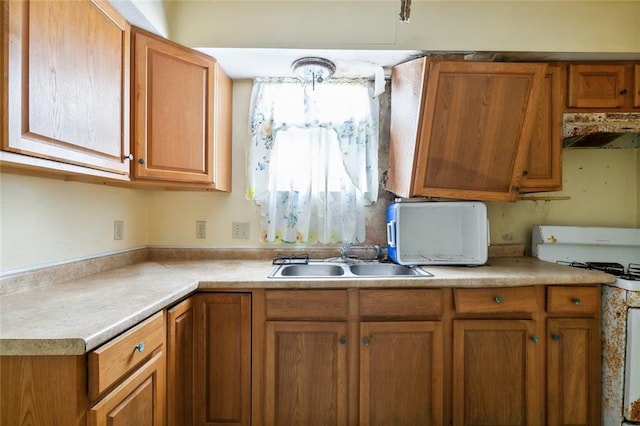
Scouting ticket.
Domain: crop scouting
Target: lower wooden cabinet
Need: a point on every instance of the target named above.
(222, 381)
(180, 363)
(139, 400)
(306, 373)
(495, 373)
(500, 356)
(573, 366)
(401, 373)
(121, 382)
(573, 355)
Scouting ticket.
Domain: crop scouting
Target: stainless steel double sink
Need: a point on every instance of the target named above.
(328, 269)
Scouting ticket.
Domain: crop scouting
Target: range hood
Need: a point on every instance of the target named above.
(601, 130)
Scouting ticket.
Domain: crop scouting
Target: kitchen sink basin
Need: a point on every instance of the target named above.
(312, 270)
(383, 270)
(323, 269)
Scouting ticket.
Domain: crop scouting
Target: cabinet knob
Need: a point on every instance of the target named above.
(515, 188)
(343, 341)
(140, 347)
(525, 173)
(141, 161)
(366, 341)
(534, 339)
(498, 299)
(575, 300)
(555, 337)
(128, 157)
(623, 92)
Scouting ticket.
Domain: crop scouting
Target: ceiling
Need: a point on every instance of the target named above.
(248, 63)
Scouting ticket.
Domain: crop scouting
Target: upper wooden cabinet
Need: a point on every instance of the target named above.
(603, 86)
(636, 85)
(543, 171)
(181, 114)
(66, 86)
(461, 129)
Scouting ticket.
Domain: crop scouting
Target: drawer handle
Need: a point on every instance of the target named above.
(140, 347)
(575, 300)
(555, 337)
(343, 341)
(498, 299)
(534, 339)
(366, 341)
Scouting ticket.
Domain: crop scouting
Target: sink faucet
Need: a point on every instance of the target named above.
(344, 251)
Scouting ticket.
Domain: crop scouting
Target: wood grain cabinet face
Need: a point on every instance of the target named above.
(401, 373)
(222, 382)
(68, 83)
(181, 114)
(306, 373)
(466, 126)
(573, 362)
(139, 400)
(180, 363)
(544, 162)
(636, 85)
(494, 373)
(598, 86)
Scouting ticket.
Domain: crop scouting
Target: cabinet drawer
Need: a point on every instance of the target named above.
(116, 358)
(572, 300)
(306, 304)
(495, 300)
(401, 304)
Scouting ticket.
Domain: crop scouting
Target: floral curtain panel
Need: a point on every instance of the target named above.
(313, 159)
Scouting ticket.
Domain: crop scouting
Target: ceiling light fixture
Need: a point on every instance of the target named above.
(313, 69)
(405, 10)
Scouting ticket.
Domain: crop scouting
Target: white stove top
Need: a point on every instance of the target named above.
(587, 245)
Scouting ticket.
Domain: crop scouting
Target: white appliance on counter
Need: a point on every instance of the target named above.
(437, 232)
(615, 251)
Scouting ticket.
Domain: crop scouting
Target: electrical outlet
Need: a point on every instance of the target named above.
(240, 230)
(201, 229)
(118, 229)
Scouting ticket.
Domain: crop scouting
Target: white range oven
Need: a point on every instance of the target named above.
(615, 251)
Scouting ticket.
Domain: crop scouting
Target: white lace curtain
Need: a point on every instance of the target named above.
(313, 159)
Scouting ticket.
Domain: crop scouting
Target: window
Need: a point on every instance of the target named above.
(312, 162)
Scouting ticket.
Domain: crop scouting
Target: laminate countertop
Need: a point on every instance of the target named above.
(77, 316)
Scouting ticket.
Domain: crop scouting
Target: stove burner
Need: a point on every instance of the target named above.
(608, 267)
(632, 273)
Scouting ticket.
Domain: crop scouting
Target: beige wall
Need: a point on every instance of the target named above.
(45, 221)
(519, 25)
(603, 190)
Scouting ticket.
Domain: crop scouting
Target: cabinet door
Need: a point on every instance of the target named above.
(139, 400)
(476, 128)
(573, 365)
(544, 163)
(636, 85)
(68, 84)
(306, 373)
(223, 359)
(172, 111)
(180, 363)
(401, 373)
(597, 85)
(495, 372)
